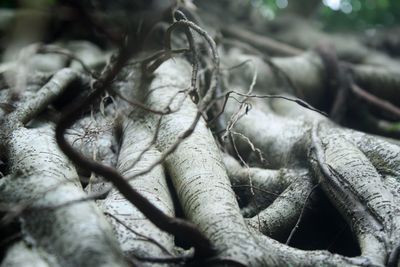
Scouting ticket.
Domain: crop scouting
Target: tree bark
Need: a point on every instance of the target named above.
(222, 141)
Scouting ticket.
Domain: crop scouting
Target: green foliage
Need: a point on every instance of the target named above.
(395, 127)
(362, 14)
(352, 14)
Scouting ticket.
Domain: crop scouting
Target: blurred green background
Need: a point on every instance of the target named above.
(333, 14)
(341, 14)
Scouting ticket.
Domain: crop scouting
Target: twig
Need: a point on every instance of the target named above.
(298, 101)
(166, 260)
(58, 50)
(262, 42)
(147, 238)
(243, 162)
(376, 101)
(252, 146)
(174, 226)
(180, 16)
(216, 61)
(236, 116)
(296, 226)
(142, 106)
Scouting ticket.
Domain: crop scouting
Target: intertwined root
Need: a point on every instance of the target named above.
(201, 184)
(359, 173)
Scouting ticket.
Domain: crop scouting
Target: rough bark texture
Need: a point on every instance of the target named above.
(221, 141)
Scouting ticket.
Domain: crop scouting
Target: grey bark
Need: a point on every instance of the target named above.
(178, 163)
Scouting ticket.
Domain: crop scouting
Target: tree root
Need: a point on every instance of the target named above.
(167, 151)
(345, 168)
